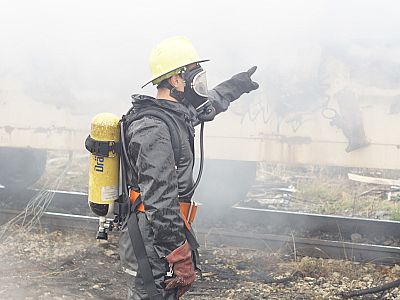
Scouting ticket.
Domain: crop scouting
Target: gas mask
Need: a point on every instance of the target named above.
(195, 92)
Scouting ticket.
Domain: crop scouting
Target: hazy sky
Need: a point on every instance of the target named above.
(97, 51)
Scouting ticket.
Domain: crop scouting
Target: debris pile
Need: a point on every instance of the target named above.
(73, 265)
(326, 190)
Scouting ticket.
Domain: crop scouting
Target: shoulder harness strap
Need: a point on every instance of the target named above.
(173, 127)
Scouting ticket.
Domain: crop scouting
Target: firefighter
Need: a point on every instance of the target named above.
(164, 178)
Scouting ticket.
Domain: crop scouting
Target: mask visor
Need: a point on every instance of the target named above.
(199, 84)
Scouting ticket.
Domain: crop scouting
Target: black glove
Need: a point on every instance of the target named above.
(240, 83)
(207, 112)
(244, 82)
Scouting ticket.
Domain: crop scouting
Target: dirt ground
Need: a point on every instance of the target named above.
(73, 265)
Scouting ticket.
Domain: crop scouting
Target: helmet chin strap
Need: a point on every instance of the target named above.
(178, 95)
(173, 92)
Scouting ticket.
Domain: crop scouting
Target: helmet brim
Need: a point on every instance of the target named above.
(195, 62)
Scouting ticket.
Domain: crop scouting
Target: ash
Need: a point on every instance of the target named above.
(73, 265)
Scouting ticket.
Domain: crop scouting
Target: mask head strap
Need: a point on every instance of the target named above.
(173, 92)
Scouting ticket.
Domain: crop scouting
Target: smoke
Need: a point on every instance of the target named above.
(29, 218)
(62, 62)
(95, 53)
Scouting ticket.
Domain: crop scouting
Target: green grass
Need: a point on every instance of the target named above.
(333, 196)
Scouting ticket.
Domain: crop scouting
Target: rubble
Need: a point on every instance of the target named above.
(73, 265)
(324, 190)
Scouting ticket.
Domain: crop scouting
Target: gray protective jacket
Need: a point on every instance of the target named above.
(161, 179)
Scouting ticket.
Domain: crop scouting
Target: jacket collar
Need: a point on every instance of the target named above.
(143, 100)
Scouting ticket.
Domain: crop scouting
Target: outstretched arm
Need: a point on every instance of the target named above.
(226, 92)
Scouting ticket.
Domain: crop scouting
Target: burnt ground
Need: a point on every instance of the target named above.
(73, 265)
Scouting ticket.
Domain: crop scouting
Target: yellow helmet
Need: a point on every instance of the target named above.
(170, 56)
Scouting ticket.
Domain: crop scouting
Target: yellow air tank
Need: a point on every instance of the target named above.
(103, 144)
